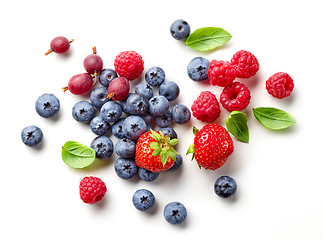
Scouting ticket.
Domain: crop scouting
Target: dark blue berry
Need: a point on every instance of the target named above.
(144, 89)
(136, 104)
(106, 76)
(181, 114)
(225, 186)
(177, 164)
(47, 105)
(143, 200)
(32, 136)
(126, 168)
(99, 96)
(164, 120)
(155, 76)
(169, 90)
(83, 111)
(103, 147)
(180, 29)
(111, 111)
(125, 148)
(99, 126)
(133, 127)
(175, 213)
(147, 175)
(197, 69)
(147, 118)
(168, 131)
(158, 105)
(117, 130)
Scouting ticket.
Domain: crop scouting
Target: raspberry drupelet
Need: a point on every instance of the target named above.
(235, 97)
(206, 107)
(92, 189)
(280, 85)
(129, 64)
(221, 73)
(245, 63)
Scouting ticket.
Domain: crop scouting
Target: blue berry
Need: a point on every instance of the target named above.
(147, 175)
(180, 29)
(169, 90)
(177, 164)
(106, 76)
(143, 200)
(225, 186)
(125, 148)
(99, 126)
(175, 213)
(147, 118)
(122, 103)
(83, 111)
(197, 69)
(155, 76)
(158, 105)
(111, 111)
(126, 168)
(168, 131)
(144, 89)
(32, 136)
(181, 114)
(117, 130)
(99, 96)
(164, 120)
(136, 104)
(133, 127)
(47, 105)
(103, 147)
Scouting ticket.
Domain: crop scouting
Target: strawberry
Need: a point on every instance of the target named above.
(155, 152)
(212, 146)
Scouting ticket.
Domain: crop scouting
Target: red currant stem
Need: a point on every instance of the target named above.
(111, 95)
(48, 52)
(64, 89)
(72, 40)
(94, 49)
(95, 78)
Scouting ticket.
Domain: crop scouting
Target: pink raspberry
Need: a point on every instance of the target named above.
(280, 85)
(246, 64)
(206, 107)
(92, 189)
(221, 73)
(235, 97)
(129, 64)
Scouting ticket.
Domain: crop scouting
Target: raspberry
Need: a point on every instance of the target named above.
(92, 189)
(246, 64)
(280, 85)
(221, 73)
(206, 107)
(129, 64)
(235, 97)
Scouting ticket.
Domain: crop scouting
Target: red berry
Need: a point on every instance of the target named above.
(206, 107)
(129, 64)
(79, 84)
(235, 97)
(93, 63)
(246, 64)
(59, 45)
(280, 85)
(92, 189)
(221, 73)
(119, 88)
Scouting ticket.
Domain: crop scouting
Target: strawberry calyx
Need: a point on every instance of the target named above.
(191, 148)
(163, 146)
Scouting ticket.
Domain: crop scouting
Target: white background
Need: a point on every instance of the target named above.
(279, 173)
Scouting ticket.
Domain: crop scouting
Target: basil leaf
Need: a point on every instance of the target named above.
(273, 118)
(207, 38)
(237, 125)
(77, 155)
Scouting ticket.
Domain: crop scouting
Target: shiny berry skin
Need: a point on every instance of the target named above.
(180, 29)
(206, 107)
(59, 45)
(175, 213)
(280, 85)
(197, 69)
(225, 187)
(119, 88)
(129, 64)
(92, 189)
(106, 76)
(235, 97)
(93, 63)
(246, 64)
(32, 136)
(79, 84)
(143, 200)
(221, 73)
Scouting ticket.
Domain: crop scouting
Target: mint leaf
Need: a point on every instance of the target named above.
(273, 118)
(237, 125)
(77, 155)
(164, 157)
(207, 38)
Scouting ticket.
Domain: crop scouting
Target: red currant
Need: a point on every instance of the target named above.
(79, 84)
(93, 63)
(59, 45)
(119, 88)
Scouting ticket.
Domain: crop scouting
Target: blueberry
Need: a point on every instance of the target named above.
(177, 164)
(122, 103)
(117, 130)
(164, 120)
(143, 200)
(168, 131)
(126, 168)
(99, 96)
(149, 128)
(175, 213)
(181, 114)
(32, 136)
(158, 105)
(111, 111)
(197, 69)
(106, 76)
(169, 90)
(180, 29)
(147, 118)
(47, 105)
(103, 147)
(126, 148)
(155, 76)
(225, 186)
(99, 126)
(83, 111)
(136, 104)
(133, 127)
(144, 89)
(147, 175)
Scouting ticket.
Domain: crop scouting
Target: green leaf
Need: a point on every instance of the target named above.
(191, 149)
(173, 142)
(195, 130)
(164, 157)
(154, 145)
(77, 155)
(155, 135)
(172, 155)
(237, 125)
(273, 118)
(207, 38)
(156, 152)
(173, 151)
